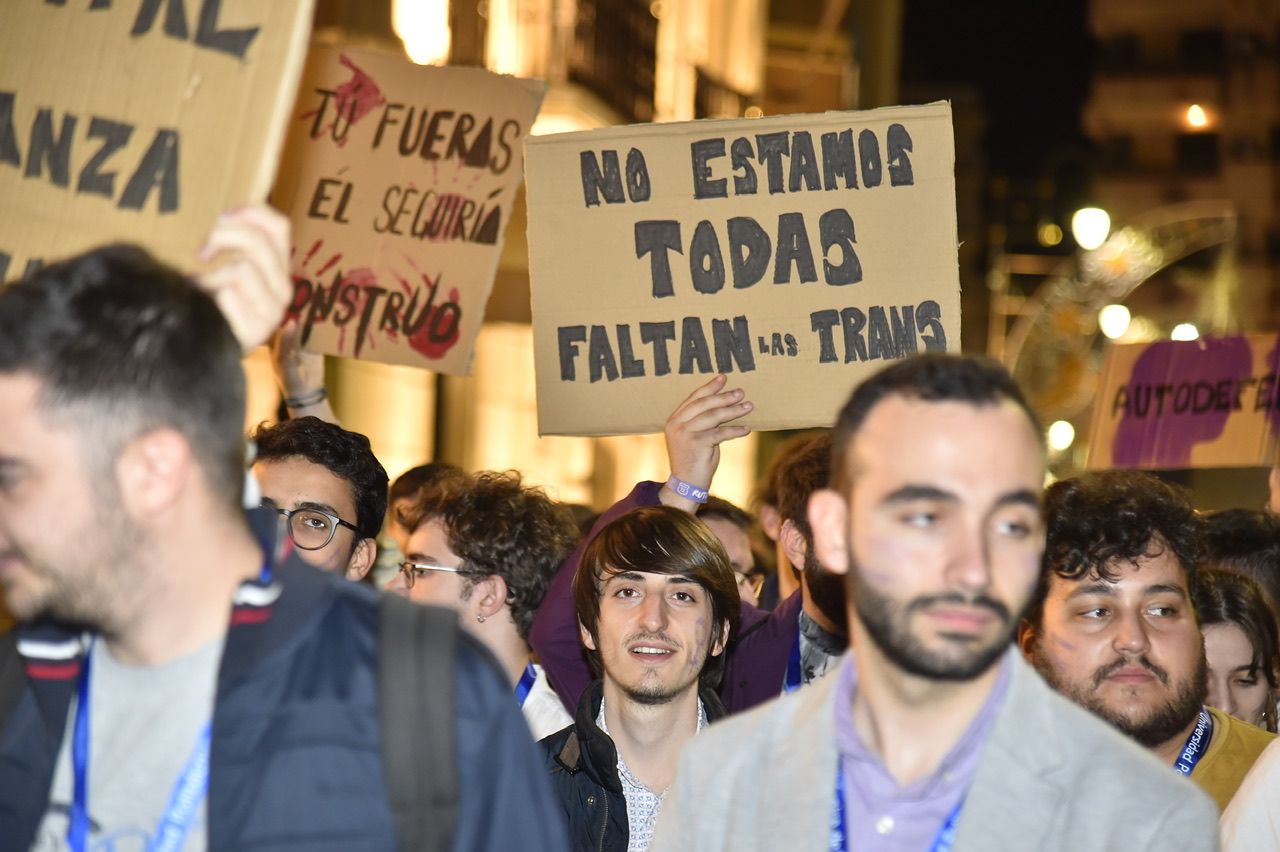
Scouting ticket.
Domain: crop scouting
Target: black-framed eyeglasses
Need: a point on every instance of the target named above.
(412, 570)
(312, 529)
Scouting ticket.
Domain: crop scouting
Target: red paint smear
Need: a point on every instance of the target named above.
(329, 264)
(354, 99)
(422, 342)
(294, 311)
(315, 247)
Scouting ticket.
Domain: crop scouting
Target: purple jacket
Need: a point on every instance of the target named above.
(757, 662)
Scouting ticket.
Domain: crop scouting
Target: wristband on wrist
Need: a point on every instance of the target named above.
(687, 490)
(313, 398)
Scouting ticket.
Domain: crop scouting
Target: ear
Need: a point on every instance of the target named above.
(770, 521)
(1026, 639)
(362, 559)
(718, 648)
(491, 595)
(829, 520)
(585, 635)
(793, 544)
(152, 471)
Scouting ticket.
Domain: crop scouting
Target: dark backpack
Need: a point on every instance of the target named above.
(417, 704)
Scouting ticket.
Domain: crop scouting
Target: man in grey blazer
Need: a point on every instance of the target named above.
(932, 734)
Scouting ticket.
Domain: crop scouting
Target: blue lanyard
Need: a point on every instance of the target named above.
(525, 684)
(184, 801)
(840, 822)
(1196, 744)
(795, 673)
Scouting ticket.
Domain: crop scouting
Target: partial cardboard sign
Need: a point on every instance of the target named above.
(139, 121)
(1212, 402)
(798, 254)
(399, 180)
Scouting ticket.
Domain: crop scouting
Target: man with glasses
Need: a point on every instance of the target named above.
(328, 484)
(487, 547)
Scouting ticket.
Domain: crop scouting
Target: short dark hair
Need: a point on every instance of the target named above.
(660, 540)
(1247, 541)
(806, 470)
(1226, 597)
(766, 493)
(933, 377)
(1102, 516)
(347, 455)
(498, 526)
(131, 345)
(718, 507)
(407, 484)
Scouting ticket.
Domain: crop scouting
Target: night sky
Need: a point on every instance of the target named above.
(1030, 63)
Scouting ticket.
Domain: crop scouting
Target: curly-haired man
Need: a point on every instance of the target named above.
(1112, 625)
(488, 546)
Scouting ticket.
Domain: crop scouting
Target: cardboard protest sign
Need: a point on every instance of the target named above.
(138, 120)
(798, 253)
(399, 179)
(1179, 404)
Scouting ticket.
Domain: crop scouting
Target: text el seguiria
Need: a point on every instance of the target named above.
(783, 252)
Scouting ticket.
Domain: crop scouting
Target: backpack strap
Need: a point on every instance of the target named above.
(12, 676)
(417, 708)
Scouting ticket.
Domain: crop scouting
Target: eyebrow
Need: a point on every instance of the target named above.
(318, 507)
(638, 577)
(1101, 587)
(908, 493)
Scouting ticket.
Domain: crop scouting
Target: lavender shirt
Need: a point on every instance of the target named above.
(884, 816)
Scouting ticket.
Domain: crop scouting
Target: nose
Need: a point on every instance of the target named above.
(1220, 695)
(397, 585)
(969, 568)
(653, 613)
(1131, 635)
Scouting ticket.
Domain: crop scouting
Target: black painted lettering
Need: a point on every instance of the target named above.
(732, 340)
(929, 319)
(838, 160)
(570, 336)
(638, 188)
(693, 347)
(869, 156)
(703, 186)
(823, 322)
(9, 152)
(749, 251)
(804, 163)
(657, 238)
(793, 248)
(903, 326)
(852, 322)
(899, 145)
(600, 177)
(706, 262)
(434, 134)
(632, 367)
(457, 146)
(158, 170)
(387, 119)
(740, 156)
(835, 230)
(114, 135)
(658, 335)
(600, 360)
(771, 148)
(44, 149)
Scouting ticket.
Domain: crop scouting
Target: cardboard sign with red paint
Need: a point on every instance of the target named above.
(1213, 402)
(138, 121)
(399, 181)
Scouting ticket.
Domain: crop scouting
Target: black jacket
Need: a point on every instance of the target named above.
(583, 764)
(296, 756)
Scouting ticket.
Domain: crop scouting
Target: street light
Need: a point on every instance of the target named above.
(1090, 227)
(1113, 321)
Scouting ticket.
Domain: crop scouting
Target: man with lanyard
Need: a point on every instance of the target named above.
(756, 667)
(1112, 626)
(487, 547)
(183, 680)
(933, 732)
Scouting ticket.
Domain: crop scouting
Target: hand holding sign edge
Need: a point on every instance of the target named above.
(251, 283)
(694, 432)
